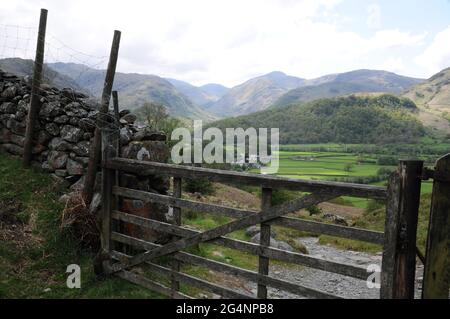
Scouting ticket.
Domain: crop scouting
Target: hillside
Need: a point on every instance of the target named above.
(214, 89)
(134, 89)
(358, 81)
(22, 67)
(353, 119)
(201, 96)
(433, 98)
(255, 95)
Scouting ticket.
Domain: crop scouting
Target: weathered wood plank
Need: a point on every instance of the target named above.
(250, 220)
(295, 223)
(229, 269)
(35, 103)
(272, 253)
(177, 221)
(264, 240)
(149, 284)
(436, 279)
(110, 141)
(95, 149)
(188, 279)
(149, 168)
(402, 210)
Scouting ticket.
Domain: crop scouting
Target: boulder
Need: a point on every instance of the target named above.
(74, 167)
(63, 119)
(52, 128)
(273, 243)
(125, 136)
(252, 230)
(57, 159)
(87, 124)
(155, 151)
(123, 113)
(339, 220)
(147, 134)
(78, 185)
(10, 92)
(58, 144)
(130, 118)
(50, 109)
(43, 137)
(8, 107)
(71, 133)
(61, 172)
(82, 148)
(16, 127)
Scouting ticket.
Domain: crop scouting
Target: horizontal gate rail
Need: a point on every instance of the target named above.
(369, 236)
(272, 253)
(149, 284)
(154, 168)
(232, 270)
(188, 279)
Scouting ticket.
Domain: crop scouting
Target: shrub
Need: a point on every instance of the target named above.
(314, 210)
(198, 185)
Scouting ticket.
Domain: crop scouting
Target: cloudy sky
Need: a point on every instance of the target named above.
(230, 41)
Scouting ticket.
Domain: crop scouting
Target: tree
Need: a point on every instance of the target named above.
(154, 114)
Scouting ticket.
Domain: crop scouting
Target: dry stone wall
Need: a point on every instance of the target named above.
(64, 134)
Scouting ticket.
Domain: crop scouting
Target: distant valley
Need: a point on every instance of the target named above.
(272, 91)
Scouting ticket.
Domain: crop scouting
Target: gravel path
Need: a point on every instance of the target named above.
(339, 285)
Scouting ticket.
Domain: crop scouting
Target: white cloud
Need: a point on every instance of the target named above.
(437, 55)
(374, 16)
(393, 64)
(203, 41)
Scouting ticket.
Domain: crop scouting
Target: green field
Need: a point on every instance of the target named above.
(336, 163)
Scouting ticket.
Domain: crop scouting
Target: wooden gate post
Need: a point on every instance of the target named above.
(436, 279)
(110, 140)
(33, 113)
(95, 150)
(177, 221)
(399, 253)
(264, 240)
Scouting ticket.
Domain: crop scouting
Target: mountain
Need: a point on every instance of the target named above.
(214, 89)
(203, 95)
(255, 95)
(359, 81)
(135, 89)
(353, 119)
(22, 67)
(433, 98)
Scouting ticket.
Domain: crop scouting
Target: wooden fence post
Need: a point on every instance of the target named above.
(94, 154)
(110, 140)
(264, 240)
(33, 113)
(116, 105)
(399, 253)
(436, 279)
(177, 221)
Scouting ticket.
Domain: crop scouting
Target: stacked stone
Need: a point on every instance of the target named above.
(65, 130)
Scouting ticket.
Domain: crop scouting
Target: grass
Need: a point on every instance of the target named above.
(33, 263)
(374, 219)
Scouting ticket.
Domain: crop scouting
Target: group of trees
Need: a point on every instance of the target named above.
(354, 119)
(156, 116)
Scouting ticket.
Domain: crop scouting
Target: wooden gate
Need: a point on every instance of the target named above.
(436, 279)
(398, 239)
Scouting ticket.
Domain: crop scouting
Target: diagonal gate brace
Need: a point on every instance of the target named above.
(274, 212)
